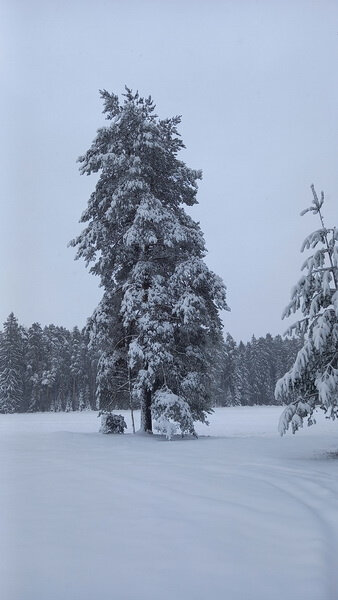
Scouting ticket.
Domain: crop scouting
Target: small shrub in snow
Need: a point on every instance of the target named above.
(171, 413)
(111, 423)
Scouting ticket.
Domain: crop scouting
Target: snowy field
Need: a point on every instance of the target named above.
(239, 514)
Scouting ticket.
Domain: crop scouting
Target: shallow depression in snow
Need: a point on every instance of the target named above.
(239, 513)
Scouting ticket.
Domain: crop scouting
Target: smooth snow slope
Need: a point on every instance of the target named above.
(239, 515)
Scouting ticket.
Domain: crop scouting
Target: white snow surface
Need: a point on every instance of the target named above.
(239, 514)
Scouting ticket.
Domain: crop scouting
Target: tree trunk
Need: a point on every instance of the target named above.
(131, 401)
(146, 420)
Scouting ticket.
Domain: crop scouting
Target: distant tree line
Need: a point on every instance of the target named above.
(250, 371)
(54, 369)
(46, 369)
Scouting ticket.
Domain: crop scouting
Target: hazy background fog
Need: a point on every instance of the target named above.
(256, 85)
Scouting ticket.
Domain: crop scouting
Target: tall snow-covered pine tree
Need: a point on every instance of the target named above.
(158, 323)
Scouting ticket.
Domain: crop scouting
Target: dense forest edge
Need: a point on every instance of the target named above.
(54, 369)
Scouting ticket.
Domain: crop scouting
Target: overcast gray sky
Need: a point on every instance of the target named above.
(256, 85)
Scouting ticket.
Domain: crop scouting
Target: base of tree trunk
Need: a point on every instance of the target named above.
(146, 418)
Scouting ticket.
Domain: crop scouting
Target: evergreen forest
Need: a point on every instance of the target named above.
(53, 369)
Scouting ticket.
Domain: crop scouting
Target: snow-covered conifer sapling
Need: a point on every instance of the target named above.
(312, 381)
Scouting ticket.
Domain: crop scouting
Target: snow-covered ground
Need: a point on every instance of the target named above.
(239, 514)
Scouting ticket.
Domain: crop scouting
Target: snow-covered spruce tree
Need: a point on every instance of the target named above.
(11, 367)
(158, 323)
(35, 363)
(227, 397)
(56, 379)
(313, 379)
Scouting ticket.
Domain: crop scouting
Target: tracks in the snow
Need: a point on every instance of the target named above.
(319, 499)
